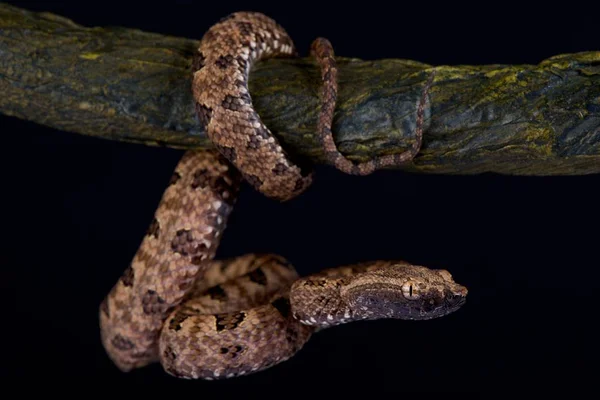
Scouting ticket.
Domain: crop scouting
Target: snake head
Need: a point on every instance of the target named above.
(403, 291)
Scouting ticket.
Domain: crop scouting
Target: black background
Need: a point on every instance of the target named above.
(75, 209)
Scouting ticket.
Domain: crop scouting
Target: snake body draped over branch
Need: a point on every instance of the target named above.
(206, 318)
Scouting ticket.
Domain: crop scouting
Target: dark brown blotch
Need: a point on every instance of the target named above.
(231, 103)
(185, 244)
(229, 321)
(291, 335)
(224, 62)
(200, 178)
(242, 65)
(258, 276)
(231, 351)
(154, 228)
(237, 349)
(204, 115)
(282, 305)
(280, 169)
(169, 354)
(175, 322)
(217, 293)
(300, 183)
(227, 191)
(122, 343)
(316, 282)
(127, 277)
(253, 142)
(181, 315)
(246, 28)
(152, 303)
(227, 152)
(253, 180)
(198, 260)
(169, 357)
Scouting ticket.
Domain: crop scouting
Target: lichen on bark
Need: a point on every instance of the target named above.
(128, 85)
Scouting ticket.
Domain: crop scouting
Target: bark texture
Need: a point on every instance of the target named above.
(128, 85)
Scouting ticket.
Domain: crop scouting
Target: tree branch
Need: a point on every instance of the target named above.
(129, 85)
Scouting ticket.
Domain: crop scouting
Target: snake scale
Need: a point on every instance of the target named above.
(212, 319)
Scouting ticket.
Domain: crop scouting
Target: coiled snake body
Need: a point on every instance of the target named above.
(203, 318)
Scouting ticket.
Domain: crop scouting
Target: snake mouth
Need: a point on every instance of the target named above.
(455, 300)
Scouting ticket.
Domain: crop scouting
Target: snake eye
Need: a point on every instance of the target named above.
(410, 290)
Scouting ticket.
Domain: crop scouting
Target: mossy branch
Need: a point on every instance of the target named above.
(129, 85)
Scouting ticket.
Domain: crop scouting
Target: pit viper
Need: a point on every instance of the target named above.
(203, 318)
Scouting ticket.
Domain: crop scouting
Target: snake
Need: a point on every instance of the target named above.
(206, 318)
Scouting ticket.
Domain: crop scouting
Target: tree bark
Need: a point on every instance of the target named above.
(128, 85)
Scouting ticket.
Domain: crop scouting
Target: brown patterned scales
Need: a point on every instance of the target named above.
(220, 86)
(322, 50)
(218, 319)
(175, 252)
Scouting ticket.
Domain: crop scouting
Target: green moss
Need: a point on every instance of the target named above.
(134, 86)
